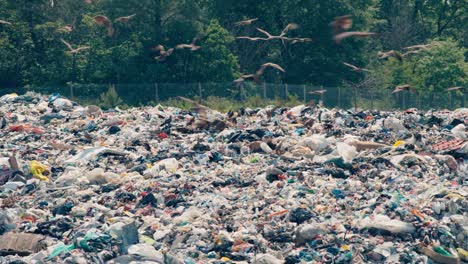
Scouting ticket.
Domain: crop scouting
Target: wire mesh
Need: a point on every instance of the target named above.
(340, 97)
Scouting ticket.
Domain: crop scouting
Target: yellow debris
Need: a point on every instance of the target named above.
(398, 143)
(463, 254)
(37, 170)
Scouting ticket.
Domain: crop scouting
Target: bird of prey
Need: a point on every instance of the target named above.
(454, 88)
(245, 22)
(256, 77)
(190, 46)
(356, 68)
(163, 53)
(72, 50)
(319, 92)
(339, 37)
(405, 87)
(124, 19)
(5, 22)
(104, 21)
(341, 23)
(391, 53)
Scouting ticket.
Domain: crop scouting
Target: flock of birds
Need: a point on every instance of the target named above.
(340, 27)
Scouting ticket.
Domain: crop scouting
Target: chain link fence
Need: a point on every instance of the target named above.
(341, 97)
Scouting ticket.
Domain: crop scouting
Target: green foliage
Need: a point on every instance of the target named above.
(32, 55)
(219, 63)
(110, 99)
(440, 67)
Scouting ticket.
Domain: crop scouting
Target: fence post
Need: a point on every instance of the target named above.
(304, 89)
(156, 92)
(71, 91)
(200, 92)
(286, 93)
(404, 101)
(264, 90)
(339, 96)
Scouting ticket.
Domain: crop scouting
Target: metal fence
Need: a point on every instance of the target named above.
(342, 97)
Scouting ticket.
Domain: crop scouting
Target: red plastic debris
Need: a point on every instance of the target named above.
(162, 135)
(449, 145)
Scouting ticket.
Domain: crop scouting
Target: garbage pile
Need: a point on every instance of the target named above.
(271, 185)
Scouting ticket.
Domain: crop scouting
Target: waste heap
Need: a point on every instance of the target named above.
(272, 185)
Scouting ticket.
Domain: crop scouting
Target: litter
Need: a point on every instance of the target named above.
(271, 185)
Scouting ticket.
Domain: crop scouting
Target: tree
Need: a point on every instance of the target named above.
(214, 61)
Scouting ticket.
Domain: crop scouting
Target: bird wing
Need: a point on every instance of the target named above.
(453, 88)
(290, 26)
(124, 19)
(202, 107)
(351, 66)
(67, 44)
(362, 34)
(251, 39)
(246, 22)
(421, 46)
(183, 46)
(169, 52)
(248, 76)
(82, 48)
(397, 90)
(264, 32)
(159, 48)
(273, 65)
(102, 20)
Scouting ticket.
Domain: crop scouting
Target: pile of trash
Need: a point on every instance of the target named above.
(274, 185)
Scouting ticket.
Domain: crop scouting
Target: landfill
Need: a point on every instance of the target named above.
(271, 185)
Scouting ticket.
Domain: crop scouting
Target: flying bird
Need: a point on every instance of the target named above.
(245, 22)
(190, 46)
(390, 53)
(339, 37)
(5, 22)
(405, 87)
(341, 23)
(124, 19)
(256, 77)
(104, 21)
(163, 53)
(72, 50)
(356, 68)
(454, 88)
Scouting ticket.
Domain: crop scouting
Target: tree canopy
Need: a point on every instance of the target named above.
(32, 52)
